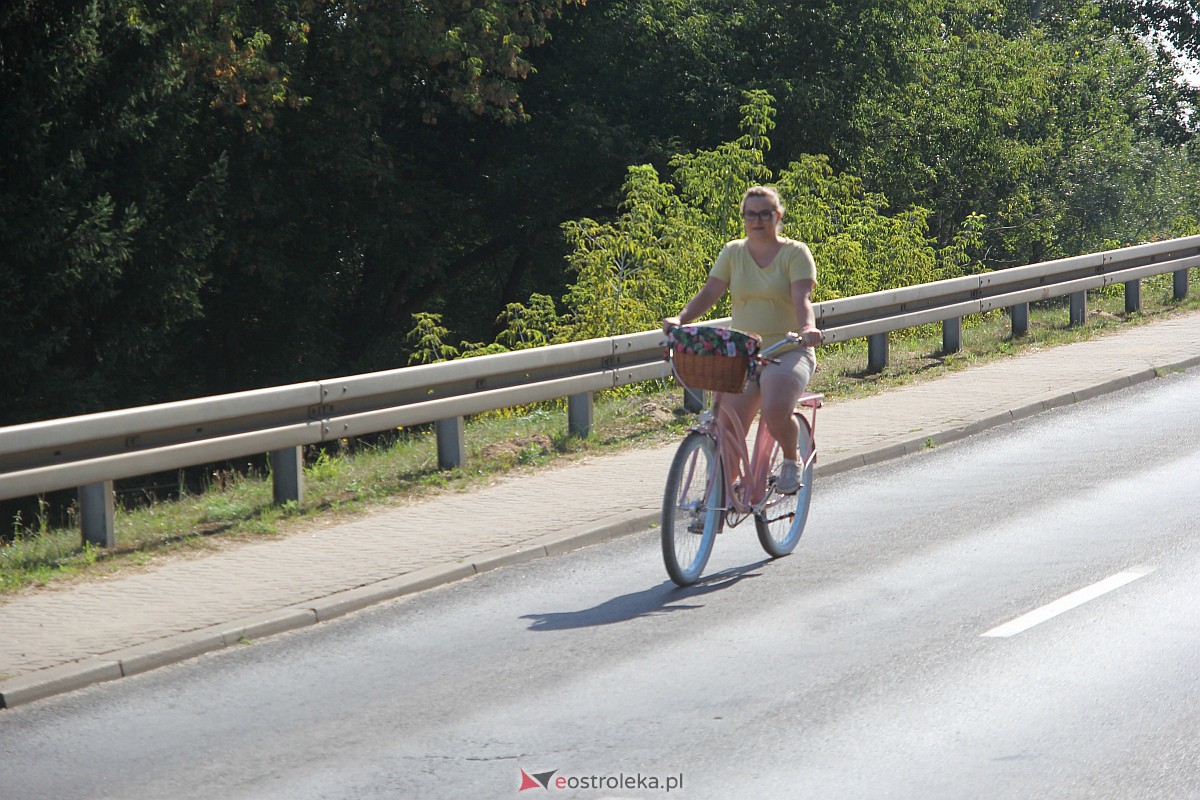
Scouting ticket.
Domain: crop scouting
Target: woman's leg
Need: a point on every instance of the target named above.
(781, 385)
(779, 395)
(744, 406)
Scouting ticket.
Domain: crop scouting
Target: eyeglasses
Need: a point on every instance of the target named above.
(761, 216)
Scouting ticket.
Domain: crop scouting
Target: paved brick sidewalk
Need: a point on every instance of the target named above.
(60, 639)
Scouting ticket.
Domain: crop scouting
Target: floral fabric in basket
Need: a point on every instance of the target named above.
(703, 340)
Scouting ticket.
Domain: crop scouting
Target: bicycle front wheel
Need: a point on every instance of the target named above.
(692, 513)
(782, 519)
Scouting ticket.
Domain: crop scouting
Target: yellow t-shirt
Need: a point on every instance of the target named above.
(761, 297)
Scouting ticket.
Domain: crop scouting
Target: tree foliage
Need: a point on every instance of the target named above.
(1178, 21)
(1050, 131)
(109, 202)
(213, 194)
(645, 264)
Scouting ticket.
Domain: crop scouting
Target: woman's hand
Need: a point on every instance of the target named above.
(811, 337)
(670, 322)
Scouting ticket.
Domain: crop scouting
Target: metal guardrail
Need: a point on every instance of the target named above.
(57, 454)
(93, 450)
(908, 307)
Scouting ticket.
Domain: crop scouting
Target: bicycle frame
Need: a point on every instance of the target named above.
(746, 471)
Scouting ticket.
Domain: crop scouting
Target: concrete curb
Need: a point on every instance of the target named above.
(181, 647)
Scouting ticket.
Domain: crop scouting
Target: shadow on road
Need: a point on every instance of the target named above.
(661, 599)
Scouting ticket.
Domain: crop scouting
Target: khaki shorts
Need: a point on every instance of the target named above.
(800, 363)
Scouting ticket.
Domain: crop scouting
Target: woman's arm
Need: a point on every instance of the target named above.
(702, 301)
(802, 292)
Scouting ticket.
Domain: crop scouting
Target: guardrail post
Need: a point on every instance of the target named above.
(1078, 308)
(952, 335)
(579, 414)
(1133, 296)
(877, 352)
(287, 475)
(97, 514)
(1020, 319)
(693, 400)
(451, 442)
(1179, 284)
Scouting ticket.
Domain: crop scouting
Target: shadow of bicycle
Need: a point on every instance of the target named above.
(664, 598)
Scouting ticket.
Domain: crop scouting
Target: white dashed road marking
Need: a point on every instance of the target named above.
(1063, 604)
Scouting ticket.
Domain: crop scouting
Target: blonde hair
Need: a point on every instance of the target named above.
(769, 192)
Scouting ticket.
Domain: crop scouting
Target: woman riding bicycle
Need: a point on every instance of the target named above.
(770, 279)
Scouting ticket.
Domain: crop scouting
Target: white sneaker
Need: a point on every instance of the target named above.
(788, 480)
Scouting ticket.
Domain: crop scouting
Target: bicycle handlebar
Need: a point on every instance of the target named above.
(791, 338)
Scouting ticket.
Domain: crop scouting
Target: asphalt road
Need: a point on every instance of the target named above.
(1012, 616)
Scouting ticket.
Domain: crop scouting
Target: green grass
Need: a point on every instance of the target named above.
(362, 475)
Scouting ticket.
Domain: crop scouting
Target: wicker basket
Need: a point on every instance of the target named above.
(716, 373)
(716, 359)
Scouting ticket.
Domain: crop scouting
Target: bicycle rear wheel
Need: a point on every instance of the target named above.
(691, 513)
(781, 522)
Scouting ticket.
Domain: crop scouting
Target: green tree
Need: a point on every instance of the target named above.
(1014, 118)
(110, 203)
(357, 209)
(534, 325)
(644, 265)
(625, 83)
(620, 264)
(427, 340)
(213, 195)
(1176, 20)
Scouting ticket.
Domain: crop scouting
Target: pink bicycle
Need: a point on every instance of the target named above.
(714, 480)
